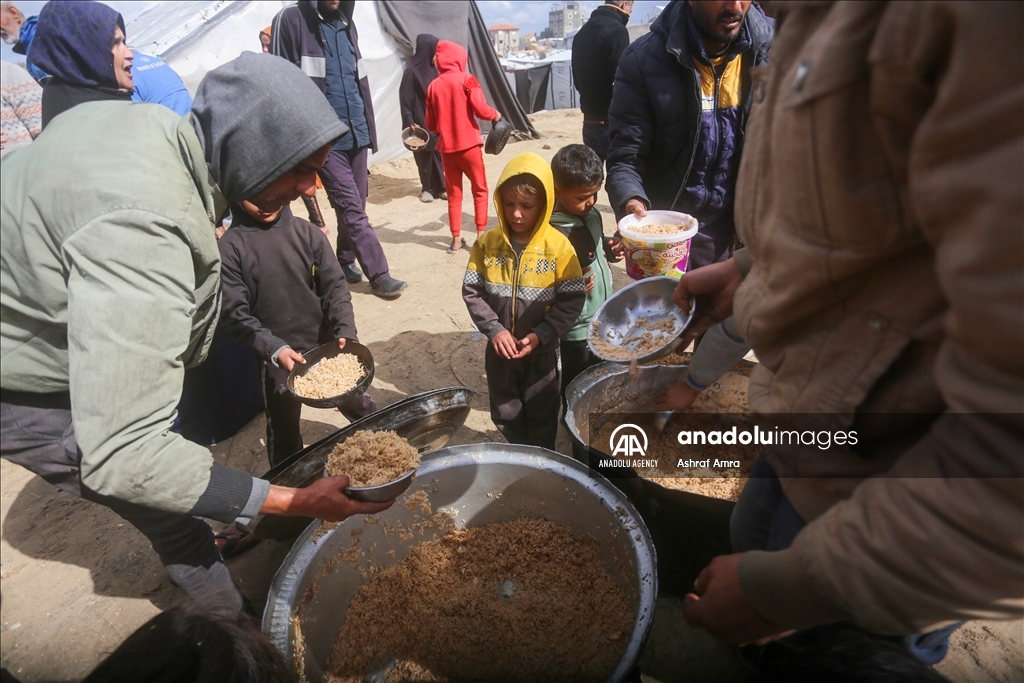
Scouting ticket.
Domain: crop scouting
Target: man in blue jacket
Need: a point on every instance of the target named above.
(320, 38)
(18, 32)
(679, 107)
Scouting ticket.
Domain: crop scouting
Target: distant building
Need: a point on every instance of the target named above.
(568, 17)
(528, 42)
(504, 38)
(654, 14)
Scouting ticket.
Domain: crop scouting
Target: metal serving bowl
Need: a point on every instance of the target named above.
(426, 420)
(484, 483)
(381, 493)
(617, 318)
(330, 350)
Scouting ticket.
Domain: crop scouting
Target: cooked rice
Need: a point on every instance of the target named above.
(330, 377)
(372, 458)
(658, 229)
(650, 334)
(415, 143)
(514, 601)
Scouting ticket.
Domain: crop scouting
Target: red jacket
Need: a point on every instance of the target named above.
(455, 101)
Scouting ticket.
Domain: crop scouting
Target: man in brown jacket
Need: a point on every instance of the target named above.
(880, 199)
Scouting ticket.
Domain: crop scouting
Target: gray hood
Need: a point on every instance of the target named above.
(258, 116)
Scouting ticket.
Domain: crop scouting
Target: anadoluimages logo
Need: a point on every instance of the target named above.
(627, 444)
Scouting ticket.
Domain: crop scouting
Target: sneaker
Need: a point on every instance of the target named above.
(352, 273)
(426, 197)
(443, 196)
(388, 287)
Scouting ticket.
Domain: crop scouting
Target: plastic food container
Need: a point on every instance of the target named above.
(652, 255)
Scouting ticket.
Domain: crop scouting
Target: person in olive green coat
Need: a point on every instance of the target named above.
(111, 288)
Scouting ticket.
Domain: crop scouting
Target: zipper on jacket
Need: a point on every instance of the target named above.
(515, 287)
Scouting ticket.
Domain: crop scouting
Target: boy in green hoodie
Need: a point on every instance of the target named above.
(524, 289)
(578, 174)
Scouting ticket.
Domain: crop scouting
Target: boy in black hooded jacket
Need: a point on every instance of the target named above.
(284, 292)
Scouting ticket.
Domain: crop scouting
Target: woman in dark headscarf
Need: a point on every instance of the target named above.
(412, 97)
(81, 45)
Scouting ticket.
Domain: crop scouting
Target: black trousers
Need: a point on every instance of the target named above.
(524, 397)
(284, 409)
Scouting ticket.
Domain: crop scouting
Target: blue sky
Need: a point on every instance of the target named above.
(528, 15)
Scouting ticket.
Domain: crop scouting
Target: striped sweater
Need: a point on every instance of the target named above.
(22, 109)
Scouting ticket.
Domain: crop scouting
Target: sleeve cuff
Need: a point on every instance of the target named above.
(275, 354)
(777, 586)
(226, 496)
(744, 261)
(257, 497)
(492, 329)
(545, 332)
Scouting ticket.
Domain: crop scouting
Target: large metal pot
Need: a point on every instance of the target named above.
(485, 483)
(688, 529)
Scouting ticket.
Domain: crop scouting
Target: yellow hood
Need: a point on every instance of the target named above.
(533, 164)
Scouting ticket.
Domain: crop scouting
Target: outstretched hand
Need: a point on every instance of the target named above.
(714, 287)
(323, 499)
(719, 606)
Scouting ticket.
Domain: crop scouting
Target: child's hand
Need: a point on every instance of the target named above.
(617, 247)
(341, 342)
(289, 357)
(527, 345)
(504, 344)
(588, 283)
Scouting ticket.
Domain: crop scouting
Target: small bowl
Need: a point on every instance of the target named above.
(617, 317)
(330, 350)
(429, 140)
(382, 492)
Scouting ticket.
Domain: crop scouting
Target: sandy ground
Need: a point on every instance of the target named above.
(76, 580)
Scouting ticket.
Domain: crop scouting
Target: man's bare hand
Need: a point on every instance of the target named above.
(323, 499)
(714, 287)
(636, 207)
(289, 357)
(719, 606)
(505, 344)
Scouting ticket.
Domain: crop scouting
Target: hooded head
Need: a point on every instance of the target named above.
(451, 57)
(530, 164)
(259, 116)
(421, 66)
(74, 43)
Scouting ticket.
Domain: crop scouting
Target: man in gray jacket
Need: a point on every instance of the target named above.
(111, 288)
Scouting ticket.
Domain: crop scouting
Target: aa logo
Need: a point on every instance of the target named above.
(628, 441)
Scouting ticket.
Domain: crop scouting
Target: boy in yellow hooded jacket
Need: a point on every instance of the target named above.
(524, 289)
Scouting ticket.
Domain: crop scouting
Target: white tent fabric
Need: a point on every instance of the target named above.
(196, 37)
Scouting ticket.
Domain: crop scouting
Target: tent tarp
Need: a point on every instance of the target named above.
(459, 22)
(195, 37)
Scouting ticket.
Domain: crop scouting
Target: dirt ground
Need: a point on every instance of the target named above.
(75, 580)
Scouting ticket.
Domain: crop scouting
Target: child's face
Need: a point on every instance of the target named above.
(578, 200)
(260, 216)
(522, 212)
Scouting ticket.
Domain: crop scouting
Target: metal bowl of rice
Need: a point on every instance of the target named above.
(329, 352)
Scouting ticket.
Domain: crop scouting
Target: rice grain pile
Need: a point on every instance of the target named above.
(372, 458)
(415, 142)
(658, 229)
(519, 601)
(330, 377)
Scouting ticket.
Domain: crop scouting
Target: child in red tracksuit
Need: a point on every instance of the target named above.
(454, 102)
